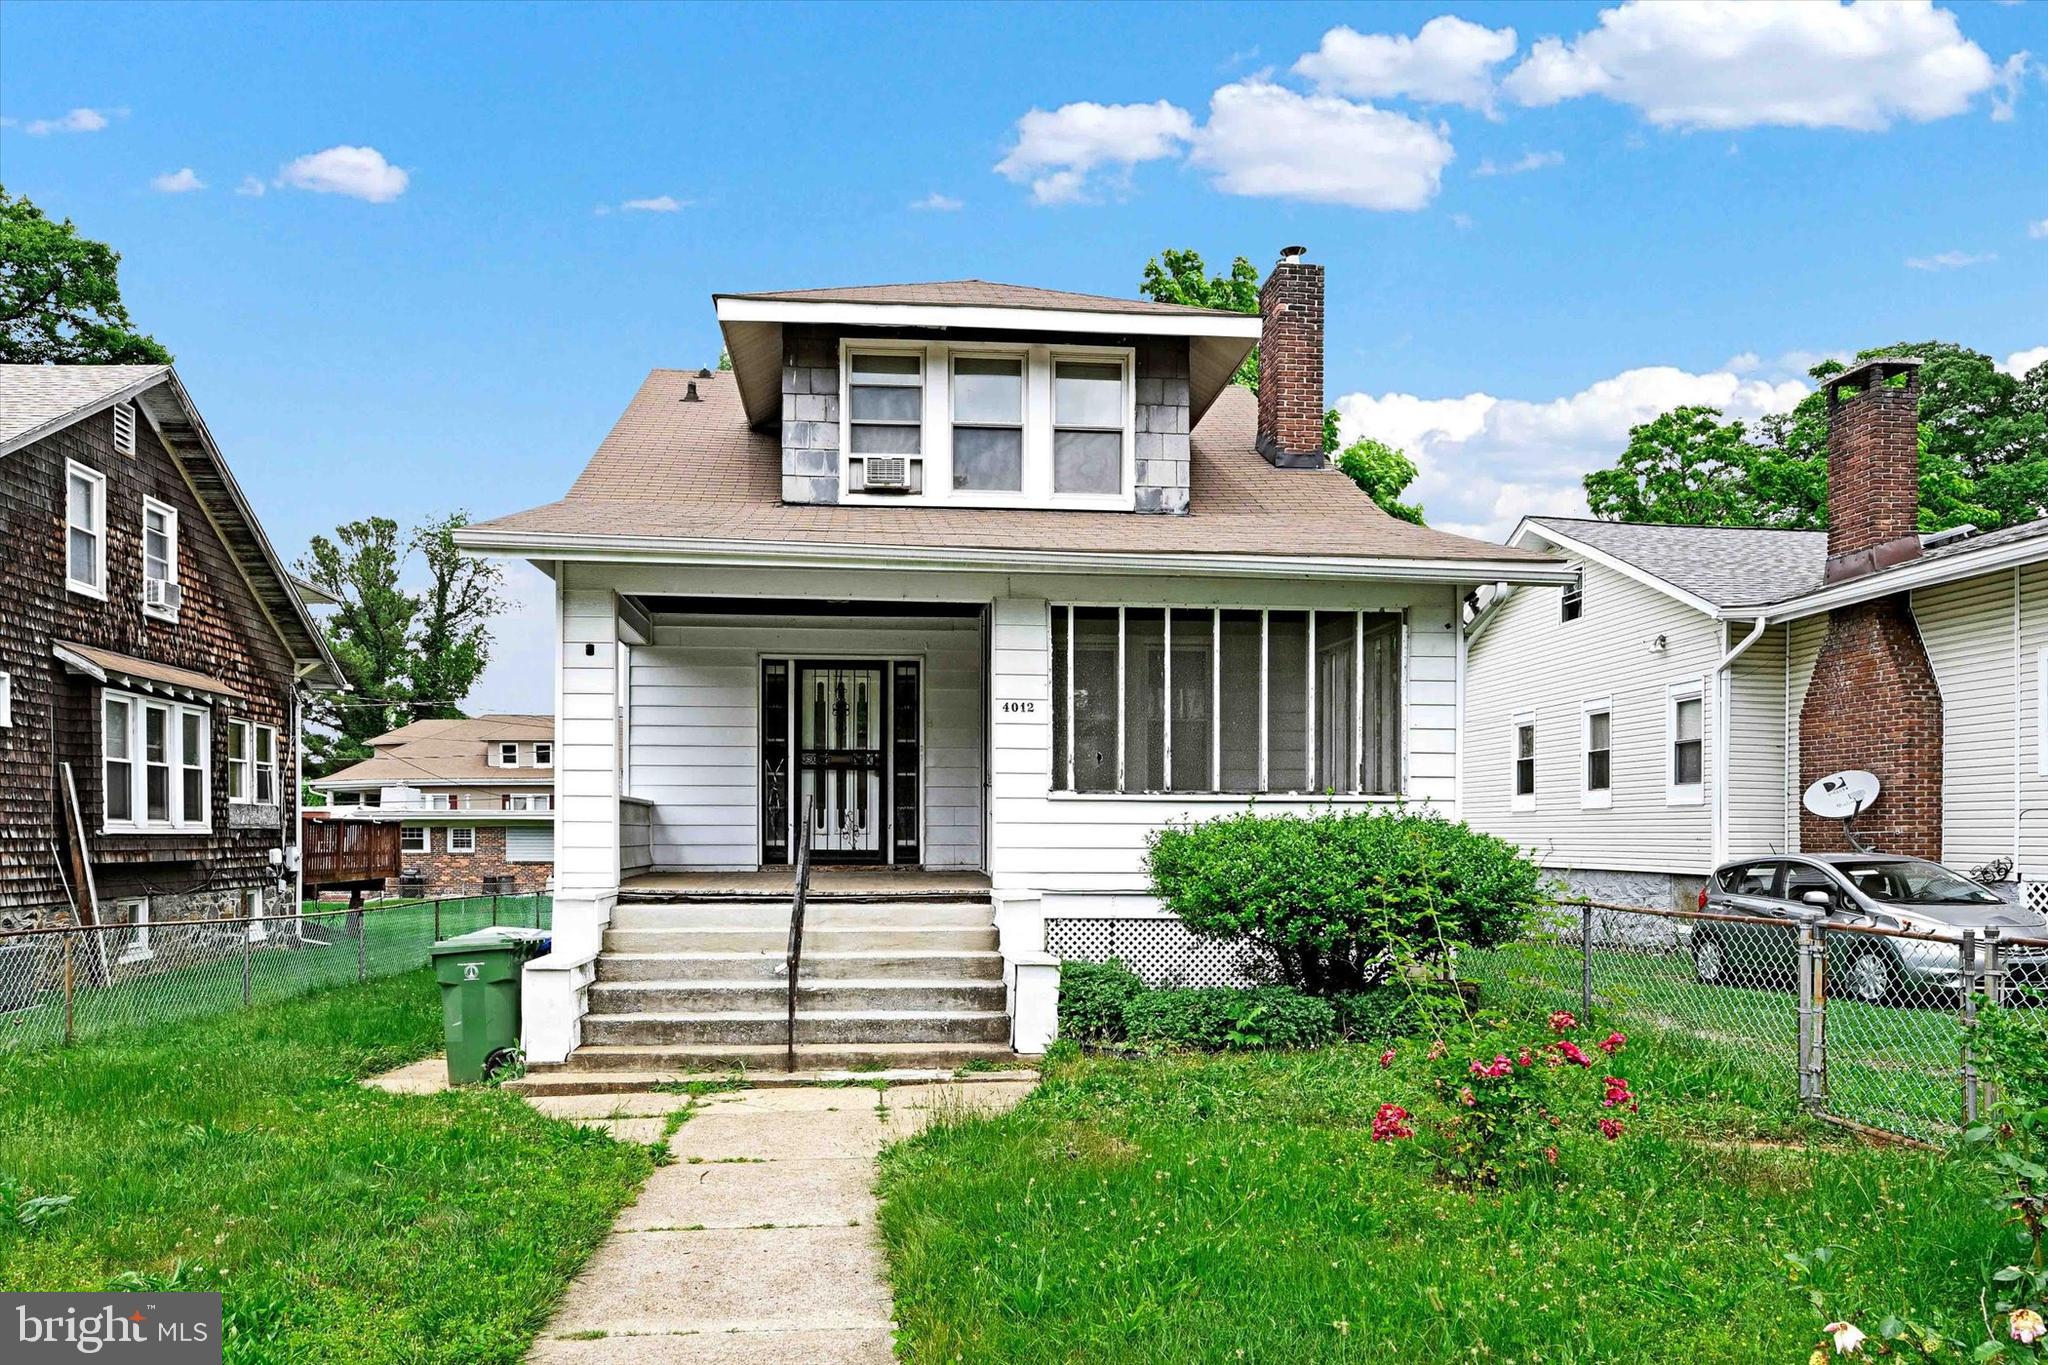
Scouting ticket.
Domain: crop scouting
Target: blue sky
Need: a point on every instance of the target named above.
(1532, 239)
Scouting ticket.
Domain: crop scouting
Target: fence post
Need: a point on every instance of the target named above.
(494, 909)
(1585, 962)
(437, 919)
(70, 977)
(1966, 984)
(1813, 1018)
(362, 938)
(245, 964)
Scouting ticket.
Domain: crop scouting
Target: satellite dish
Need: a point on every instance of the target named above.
(1842, 796)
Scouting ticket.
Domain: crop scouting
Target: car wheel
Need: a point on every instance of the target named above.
(1709, 960)
(1869, 976)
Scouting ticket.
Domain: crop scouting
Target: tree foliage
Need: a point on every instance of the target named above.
(407, 655)
(60, 295)
(1384, 473)
(1983, 454)
(1181, 277)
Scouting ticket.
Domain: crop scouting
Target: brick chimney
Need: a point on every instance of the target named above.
(1874, 702)
(1873, 467)
(1291, 363)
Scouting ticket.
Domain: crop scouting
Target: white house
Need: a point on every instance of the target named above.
(992, 582)
(1665, 713)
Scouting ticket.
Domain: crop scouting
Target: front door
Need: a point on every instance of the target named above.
(840, 745)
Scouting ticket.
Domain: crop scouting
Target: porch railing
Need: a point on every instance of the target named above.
(793, 959)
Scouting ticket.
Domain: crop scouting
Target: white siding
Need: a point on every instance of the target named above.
(586, 741)
(1054, 842)
(1967, 628)
(696, 737)
(2032, 837)
(1756, 745)
(1808, 634)
(1528, 660)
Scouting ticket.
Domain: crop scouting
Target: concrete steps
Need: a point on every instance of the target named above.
(700, 983)
(598, 1068)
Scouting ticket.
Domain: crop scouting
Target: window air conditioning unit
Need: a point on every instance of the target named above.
(885, 474)
(157, 592)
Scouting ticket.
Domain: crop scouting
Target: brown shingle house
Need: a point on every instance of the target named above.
(153, 660)
(473, 799)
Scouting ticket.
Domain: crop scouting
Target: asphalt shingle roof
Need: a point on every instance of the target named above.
(673, 469)
(33, 397)
(452, 750)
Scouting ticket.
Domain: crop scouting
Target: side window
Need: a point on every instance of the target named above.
(1525, 763)
(1801, 878)
(1750, 879)
(508, 755)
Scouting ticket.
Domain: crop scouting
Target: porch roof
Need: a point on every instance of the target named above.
(676, 471)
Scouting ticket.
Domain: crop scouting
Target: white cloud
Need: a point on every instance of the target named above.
(1265, 140)
(1528, 161)
(2019, 362)
(1058, 150)
(1483, 462)
(1745, 63)
(2012, 78)
(358, 172)
(1449, 61)
(2038, 228)
(250, 186)
(937, 203)
(660, 203)
(181, 181)
(77, 121)
(1950, 260)
(521, 674)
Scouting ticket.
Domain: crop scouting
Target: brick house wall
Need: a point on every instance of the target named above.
(221, 631)
(1291, 364)
(463, 874)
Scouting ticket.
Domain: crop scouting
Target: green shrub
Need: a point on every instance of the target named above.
(1223, 1018)
(1328, 902)
(1093, 997)
(1397, 1009)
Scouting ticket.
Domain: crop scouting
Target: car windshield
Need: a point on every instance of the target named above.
(1914, 883)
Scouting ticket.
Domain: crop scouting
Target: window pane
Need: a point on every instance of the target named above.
(238, 741)
(899, 366)
(114, 731)
(1194, 696)
(266, 744)
(1380, 757)
(156, 735)
(1094, 647)
(1240, 665)
(1685, 764)
(887, 440)
(990, 458)
(1287, 701)
(1144, 700)
(1336, 686)
(82, 556)
(194, 808)
(1525, 741)
(1059, 693)
(78, 507)
(120, 779)
(1088, 462)
(1598, 766)
(872, 404)
(1689, 719)
(1598, 726)
(1088, 394)
(988, 390)
(157, 792)
(1525, 777)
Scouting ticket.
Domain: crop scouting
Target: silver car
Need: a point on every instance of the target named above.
(1868, 890)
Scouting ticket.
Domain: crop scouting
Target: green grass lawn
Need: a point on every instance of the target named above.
(1234, 1208)
(342, 1224)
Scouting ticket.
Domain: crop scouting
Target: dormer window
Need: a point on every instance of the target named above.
(508, 755)
(988, 424)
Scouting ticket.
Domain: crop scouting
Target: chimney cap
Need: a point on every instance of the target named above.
(1866, 373)
(1291, 255)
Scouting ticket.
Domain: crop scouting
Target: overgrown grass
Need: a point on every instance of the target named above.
(341, 1224)
(1234, 1208)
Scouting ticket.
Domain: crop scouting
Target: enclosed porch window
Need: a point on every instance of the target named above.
(1157, 699)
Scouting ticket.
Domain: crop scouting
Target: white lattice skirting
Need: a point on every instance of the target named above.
(1161, 951)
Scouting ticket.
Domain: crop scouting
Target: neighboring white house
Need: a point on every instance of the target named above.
(994, 582)
(1662, 715)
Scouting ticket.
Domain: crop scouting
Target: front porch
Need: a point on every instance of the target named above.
(827, 884)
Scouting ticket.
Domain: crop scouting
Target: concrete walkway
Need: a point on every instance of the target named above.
(758, 1243)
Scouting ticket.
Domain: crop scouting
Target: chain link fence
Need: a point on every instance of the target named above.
(61, 985)
(1864, 1026)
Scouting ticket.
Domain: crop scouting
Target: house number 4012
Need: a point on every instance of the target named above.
(1020, 708)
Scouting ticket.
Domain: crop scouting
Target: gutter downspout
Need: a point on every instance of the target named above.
(1724, 701)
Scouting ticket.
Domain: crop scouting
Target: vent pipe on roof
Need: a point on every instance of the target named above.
(690, 393)
(704, 374)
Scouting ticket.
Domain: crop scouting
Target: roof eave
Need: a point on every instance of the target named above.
(1908, 577)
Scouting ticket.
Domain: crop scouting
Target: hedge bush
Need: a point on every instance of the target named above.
(1093, 996)
(1397, 1009)
(1328, 902)
(1223, 1018)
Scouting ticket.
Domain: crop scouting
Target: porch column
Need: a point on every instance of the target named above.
(588, 695)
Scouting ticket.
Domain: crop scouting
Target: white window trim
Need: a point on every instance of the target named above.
(242, 783)
(259, 768)
(99, 530)
(170, 516)
(543, 754)
(1689, 793)
(468, 832)
(1589, 797)
(1518, 801)
(512, 762)
(6, 699)
(426, 838)
(138, 766)
(138, 949)
(936, 444)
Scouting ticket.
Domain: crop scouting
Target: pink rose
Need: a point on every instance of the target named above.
(1613, 1043)
(1386, 1059)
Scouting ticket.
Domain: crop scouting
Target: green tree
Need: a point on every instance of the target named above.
(60, 295)
(1686, 466)
(407, 656)
(1181, 277)
(1384, 473)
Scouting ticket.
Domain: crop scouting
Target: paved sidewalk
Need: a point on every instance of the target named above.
(758, 1244)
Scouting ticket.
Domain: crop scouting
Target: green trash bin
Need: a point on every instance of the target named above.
(479, 976)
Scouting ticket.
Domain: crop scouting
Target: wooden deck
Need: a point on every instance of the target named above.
(827, 883)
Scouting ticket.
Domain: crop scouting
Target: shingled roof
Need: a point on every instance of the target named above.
(696, 471)
(979, 294)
